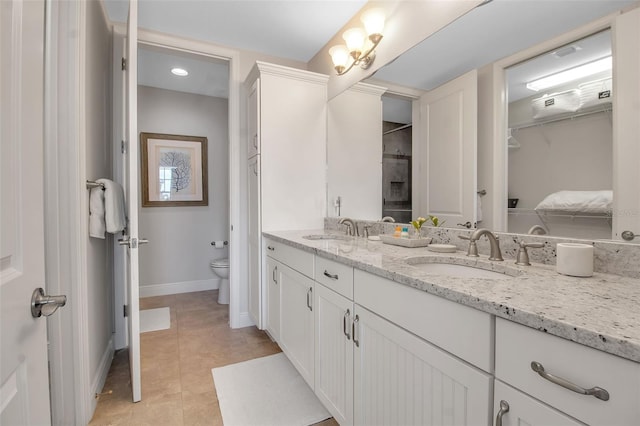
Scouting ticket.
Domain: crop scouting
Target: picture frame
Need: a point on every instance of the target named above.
(174, 170)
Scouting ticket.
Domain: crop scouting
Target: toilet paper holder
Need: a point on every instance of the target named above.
(213, 243)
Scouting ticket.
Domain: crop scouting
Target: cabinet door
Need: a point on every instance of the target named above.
(401, 379)
(274, 268)
(253, 120)
(296, 321)
(253, 236)
(334, 353)
(521, 409)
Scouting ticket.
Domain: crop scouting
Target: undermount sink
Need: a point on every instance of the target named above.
(326, 237)
(439, 267)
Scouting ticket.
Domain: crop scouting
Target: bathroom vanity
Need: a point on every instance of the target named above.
(382, 339)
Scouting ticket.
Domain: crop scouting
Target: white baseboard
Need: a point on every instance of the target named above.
(179, 287)
(244, 320)
(101, 373)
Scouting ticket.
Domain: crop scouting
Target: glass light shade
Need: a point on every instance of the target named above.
(571, 74)
(354, 38)
(339, 55)
(373, 20)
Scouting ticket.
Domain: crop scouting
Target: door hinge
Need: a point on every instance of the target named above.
(124, 64)
(125, 310)
(123, 146)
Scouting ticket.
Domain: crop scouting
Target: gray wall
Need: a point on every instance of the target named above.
(97, 141)
(180, 250)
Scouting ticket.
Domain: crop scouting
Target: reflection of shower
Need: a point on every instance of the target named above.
(512, 142)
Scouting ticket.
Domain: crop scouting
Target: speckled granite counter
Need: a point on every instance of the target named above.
(602, 311)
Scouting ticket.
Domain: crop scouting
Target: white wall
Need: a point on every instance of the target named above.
(97, 141)
(178, 255)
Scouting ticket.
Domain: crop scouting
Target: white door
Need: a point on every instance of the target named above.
(131, 188)
(24, 375)
(447, 152)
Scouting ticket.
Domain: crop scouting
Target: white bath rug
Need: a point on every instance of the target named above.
(266, 391)
(154, 319)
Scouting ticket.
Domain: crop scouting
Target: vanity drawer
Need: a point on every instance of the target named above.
(463, 331)
(518, 346)
(294, 258)
(336, 276)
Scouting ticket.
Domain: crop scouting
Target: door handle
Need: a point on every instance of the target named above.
(309, 292)
(132, 242)
(42, 304)
(345, 329)
(354, 324)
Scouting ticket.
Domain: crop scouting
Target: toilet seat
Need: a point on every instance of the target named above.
(220, 263)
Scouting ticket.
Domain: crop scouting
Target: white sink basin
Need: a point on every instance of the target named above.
(440, 267)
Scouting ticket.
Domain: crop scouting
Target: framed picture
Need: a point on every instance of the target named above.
(174, 170)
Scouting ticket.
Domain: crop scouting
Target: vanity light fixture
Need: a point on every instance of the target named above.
(360, 45)
(180, 72)
(571, 74)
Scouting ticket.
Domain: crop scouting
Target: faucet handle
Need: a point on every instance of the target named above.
(522, 257)
(365, 230)
(464, 237)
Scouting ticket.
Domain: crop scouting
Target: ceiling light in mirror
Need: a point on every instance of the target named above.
(571, 74)
(180, 72)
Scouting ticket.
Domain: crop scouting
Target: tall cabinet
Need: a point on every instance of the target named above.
(286, 169)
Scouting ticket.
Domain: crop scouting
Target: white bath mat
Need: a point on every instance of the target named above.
(155, 319)
(266, 391)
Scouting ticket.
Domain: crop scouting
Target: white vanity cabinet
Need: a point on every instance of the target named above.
(272, 321)
(289, 312)
(513, 408)
(403, 378)
(334, 353)
(334, 348)
(563, 369)
(286, 149)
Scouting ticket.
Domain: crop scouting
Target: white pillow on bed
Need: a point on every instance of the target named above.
(578, 201)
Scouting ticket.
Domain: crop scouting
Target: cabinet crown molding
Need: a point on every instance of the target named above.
(265, 68)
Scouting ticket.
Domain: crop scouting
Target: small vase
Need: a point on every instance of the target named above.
(416, 233)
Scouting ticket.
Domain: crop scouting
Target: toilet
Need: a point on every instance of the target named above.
(220, 267)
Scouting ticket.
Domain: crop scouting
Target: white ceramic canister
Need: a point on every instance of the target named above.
(574, 259)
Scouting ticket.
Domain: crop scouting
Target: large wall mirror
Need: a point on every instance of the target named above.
(477, 41)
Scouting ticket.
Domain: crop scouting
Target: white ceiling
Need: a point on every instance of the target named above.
(297, 29)
(293, 29)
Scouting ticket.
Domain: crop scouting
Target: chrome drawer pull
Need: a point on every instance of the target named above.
(353, 331)
(504, 408)
(596, 391)
(344, 324)
(270, 248)
(332, 276)
(309, 292)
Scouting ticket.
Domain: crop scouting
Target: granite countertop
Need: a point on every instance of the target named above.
(602, 311)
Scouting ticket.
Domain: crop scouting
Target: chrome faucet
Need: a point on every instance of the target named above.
(472, 251)
(388, 219)
(351, 226)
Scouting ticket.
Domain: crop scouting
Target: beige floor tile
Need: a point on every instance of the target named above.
(177, 385)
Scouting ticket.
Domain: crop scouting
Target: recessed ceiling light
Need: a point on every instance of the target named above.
(180, 72)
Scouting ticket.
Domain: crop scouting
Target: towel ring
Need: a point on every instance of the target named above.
(91, 184)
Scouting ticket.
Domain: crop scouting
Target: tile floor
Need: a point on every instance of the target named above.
(177, 386)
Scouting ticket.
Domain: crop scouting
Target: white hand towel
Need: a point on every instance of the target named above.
(96, 213)
(479, 209)
(115, 214)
